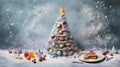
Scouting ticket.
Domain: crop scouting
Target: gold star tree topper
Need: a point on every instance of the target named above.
(61, 9)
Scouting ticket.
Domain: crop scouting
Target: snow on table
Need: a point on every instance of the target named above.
(8, 60)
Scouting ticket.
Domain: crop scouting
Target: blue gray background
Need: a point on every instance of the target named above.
(27, 24)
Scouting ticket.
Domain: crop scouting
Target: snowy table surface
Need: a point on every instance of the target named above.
(7, 60)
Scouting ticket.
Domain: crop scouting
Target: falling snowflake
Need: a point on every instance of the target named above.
(98, 2)
(12, 24)
(106, 16)
(98, 16)
(110, 6)
(96, 6)
(7, 9)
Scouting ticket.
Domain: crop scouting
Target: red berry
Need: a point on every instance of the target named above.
(111, 54)
(26, 54)
(104, 53)
(52, 36)
(64, 22)
(10, 51)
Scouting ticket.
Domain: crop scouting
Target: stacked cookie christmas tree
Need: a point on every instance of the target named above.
(61, 42)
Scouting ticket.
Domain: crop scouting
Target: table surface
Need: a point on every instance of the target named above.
(7, 60)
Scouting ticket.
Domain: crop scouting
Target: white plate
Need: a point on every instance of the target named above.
(100, 58)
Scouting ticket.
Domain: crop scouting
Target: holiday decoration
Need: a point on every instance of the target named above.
(61, 9)
(111, 54)
(31, 54)
(62, 38)
(59, 25)
(104, 53)
(64, 22)
(19, 51)
(60, 32)
(61, 42)
(52, 36)
(26, 54)
(59, 53)
(61, 45)
(10, 51)
(14, 52)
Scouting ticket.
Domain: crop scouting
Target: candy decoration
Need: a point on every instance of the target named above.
(61, 45)
(31, 54)
(26, 54)
(60, 32)
(59, 25)
(59, 53)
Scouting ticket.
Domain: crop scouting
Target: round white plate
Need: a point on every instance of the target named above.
(99, 59)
